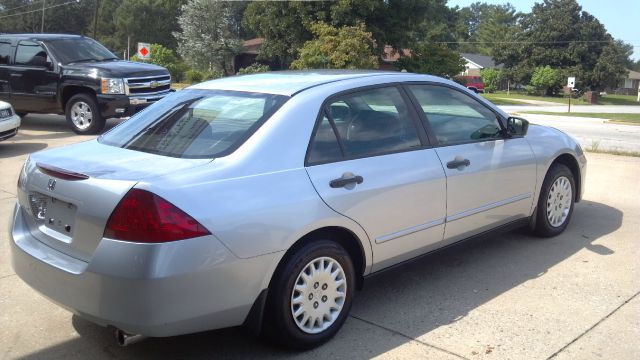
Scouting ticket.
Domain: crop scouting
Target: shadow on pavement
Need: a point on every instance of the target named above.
(413, 299)
(36, 129)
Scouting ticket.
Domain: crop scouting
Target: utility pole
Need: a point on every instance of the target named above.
(42, 23)
(95, 19)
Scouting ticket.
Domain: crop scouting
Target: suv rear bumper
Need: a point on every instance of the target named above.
(126, 105)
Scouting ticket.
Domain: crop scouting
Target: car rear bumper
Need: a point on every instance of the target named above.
(150, 289)
(9, 127)
(126, 105)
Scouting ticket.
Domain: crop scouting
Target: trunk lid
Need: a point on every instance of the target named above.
(70, 215)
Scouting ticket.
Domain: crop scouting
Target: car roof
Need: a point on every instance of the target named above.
(290, 83)
(41, 37)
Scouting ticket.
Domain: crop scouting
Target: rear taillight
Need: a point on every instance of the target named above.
(144, 217)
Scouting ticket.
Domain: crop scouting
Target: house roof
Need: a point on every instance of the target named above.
(482, 61)
(633, 75)
(252, 46)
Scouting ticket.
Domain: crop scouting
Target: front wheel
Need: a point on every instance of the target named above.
(311, 295)
(83, 115)
(556, 201)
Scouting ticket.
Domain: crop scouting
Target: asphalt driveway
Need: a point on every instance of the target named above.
(511, 296)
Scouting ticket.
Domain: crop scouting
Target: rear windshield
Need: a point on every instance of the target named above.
(195, 123)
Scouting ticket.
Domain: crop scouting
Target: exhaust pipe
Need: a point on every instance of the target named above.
(126, 339)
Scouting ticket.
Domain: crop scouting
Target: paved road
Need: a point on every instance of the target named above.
(509, 297)
(592, 133)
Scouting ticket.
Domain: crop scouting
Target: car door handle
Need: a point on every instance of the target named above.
(457, 163)
(344, 181)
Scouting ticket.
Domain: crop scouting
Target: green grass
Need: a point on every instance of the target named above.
(513, 98)
(618, 100)
(501, 98)
(617, 117)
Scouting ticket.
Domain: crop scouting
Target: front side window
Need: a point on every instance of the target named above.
(195, 123)
(5, 52)
(368, 123)
(454, 117)
(30, 54)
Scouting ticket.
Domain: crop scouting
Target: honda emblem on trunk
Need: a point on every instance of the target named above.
(52, 184)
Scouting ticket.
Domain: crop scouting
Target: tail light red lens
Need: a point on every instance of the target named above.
(144, 217)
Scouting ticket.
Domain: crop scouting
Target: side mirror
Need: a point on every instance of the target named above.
(40, 61)
(517, 126)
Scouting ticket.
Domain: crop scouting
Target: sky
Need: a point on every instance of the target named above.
(620, 17)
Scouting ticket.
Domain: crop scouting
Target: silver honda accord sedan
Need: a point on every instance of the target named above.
(267, 199)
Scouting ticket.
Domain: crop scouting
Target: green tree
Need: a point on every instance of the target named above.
(209, 37)
(150, 21)
(434, 59)
(347, 47)
(482, 25)
(491, 79)
(559, 34)
(25, 16)
(286, 25)
(612, 65)
(546, 79)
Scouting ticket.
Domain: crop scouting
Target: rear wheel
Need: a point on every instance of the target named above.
(21, 114)
(310, 297)
(83, 115)
(556, 201)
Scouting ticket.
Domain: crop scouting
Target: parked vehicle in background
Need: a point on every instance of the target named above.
(267, 199)
(9, 121)
(75, 76)
(473, 83)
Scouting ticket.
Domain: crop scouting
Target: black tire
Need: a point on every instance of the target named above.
(280, 326)
(21, 114)
(97, 122)
(544, 227)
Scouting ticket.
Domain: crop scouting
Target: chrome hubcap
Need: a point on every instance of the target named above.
(559, 201)
(318, 295)
(81, 115)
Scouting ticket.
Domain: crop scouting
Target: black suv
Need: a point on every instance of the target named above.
(76, 76)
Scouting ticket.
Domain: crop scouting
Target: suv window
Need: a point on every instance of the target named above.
(455, 117)
(369, 122)
(5, 52)
(27, 51)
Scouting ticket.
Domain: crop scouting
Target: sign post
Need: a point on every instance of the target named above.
(144, 51)
(571, 83)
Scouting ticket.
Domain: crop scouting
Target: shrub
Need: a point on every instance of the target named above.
(546, 79)
(491, 79)
(254, 68)
(194, 76)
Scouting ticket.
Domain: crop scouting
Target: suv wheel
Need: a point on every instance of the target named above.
(311, 295)
(83, 115)
(556, 201)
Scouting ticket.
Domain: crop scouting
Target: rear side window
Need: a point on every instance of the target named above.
(366, 123)
(195, 123)
(5, 52)
(27, 51)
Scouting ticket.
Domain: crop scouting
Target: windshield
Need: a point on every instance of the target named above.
(195, 123)
(79, 50)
